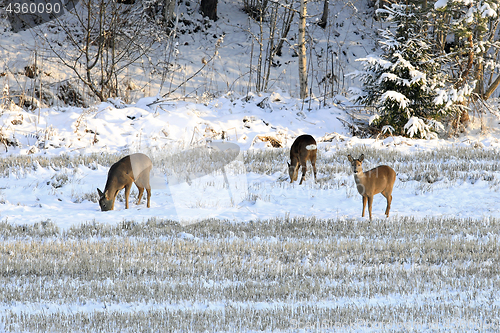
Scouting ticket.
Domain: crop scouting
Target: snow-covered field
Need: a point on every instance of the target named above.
(348, 275)
(250, 252)
(456, 178)
(231, 245)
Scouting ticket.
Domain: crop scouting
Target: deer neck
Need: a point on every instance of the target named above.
(359, 176)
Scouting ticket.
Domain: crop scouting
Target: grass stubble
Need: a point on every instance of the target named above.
(275, 275)
(284, 274)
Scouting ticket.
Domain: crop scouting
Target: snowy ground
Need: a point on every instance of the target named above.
(169, 132)
(238, 260)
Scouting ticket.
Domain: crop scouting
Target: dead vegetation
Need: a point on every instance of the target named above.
(263, 275)
(281, 274)
(271, 140)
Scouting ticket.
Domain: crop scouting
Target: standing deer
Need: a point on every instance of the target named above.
(378, 180)
(133, 168)
(303, 148)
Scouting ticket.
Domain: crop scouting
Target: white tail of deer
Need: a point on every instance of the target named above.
(133, 168)
(378, 180)
(303, 149)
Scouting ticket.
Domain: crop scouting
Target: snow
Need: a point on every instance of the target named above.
(417, 125)
(440, 4)
(395, 96)
(176, 127)
(487, 10)
(173, 128)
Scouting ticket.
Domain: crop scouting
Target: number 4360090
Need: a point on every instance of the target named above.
(33, 8)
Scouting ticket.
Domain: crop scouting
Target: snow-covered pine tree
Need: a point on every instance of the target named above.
(406, 83)
(469, 30)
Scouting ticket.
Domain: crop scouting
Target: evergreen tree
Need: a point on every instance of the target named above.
(467, 31)
(406, 83)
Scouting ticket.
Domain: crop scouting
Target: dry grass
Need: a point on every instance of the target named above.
(262, 275)
(273, 275)
(451, 164)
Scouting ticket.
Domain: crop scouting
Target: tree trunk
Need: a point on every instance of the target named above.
(324, 18)
(209, 9)
(287, 23)
(169, 11)
(479, 76)
(464, 115)
(302, 50)
(491, 88)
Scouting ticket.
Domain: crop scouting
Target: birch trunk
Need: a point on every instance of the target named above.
(302, 50)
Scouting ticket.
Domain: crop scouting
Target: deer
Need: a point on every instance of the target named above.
(303, 149)
(133, 168)
(377, 180)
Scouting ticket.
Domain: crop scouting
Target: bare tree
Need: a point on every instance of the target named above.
(208, 8)
(324, 18)
(287, 20)
(302, 50)
(103, 38)
(169, 10)
(274, 21)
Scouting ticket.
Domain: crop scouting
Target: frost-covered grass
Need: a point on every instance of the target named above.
(452, 164)
(275, 274)
(422, 269)
(427, 180)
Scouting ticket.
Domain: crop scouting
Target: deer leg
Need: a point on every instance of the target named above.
(295, 173)
(113, 203)
(314, 169)
(148, 190)
(370, 202)
(389, 201)
(139, 197)
(388, 196)
(304, 170)
(127, 194)
(364, 205)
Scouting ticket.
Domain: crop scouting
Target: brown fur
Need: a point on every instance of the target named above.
(299, 155)
(377, 180)
(131, 169)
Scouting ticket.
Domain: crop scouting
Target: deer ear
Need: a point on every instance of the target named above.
(362, 157)
(288, 164)
(349, 157)
(100, 193)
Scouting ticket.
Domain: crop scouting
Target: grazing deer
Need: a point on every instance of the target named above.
(303, 148)
(133, 168)
(378, 180)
